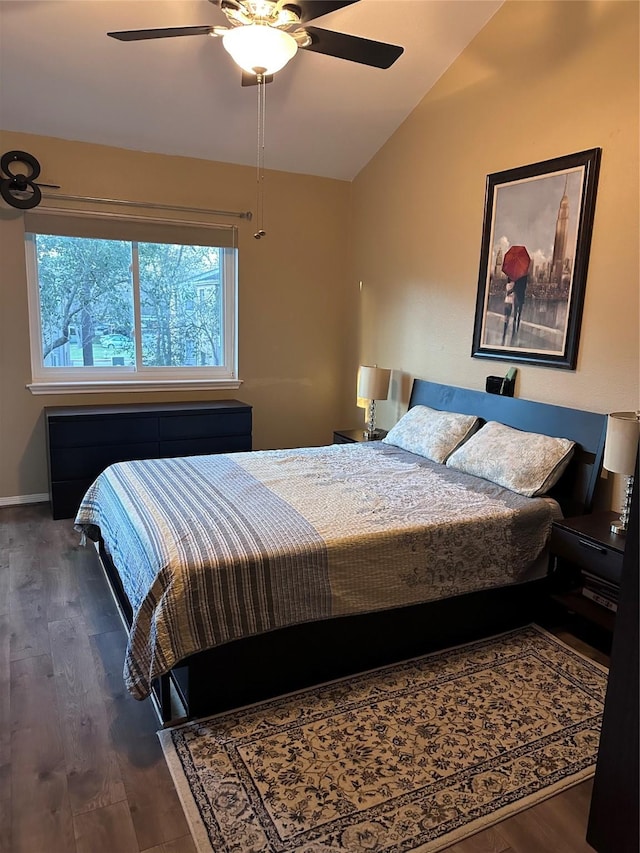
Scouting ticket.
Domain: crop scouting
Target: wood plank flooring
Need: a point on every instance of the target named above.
(81, 768)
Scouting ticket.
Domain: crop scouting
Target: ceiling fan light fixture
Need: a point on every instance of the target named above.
(260, 46)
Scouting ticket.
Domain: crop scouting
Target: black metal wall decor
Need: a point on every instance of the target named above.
(17, 188)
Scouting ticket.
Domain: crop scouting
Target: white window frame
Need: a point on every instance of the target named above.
(81, 380)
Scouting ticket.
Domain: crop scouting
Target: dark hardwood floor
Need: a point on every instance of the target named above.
(81, 769)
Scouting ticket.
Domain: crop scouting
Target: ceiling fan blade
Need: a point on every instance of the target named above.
(355, 49)
(163, 33)
(249, 79)
(310, 9)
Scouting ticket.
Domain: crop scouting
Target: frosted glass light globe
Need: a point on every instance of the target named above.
(259, 46)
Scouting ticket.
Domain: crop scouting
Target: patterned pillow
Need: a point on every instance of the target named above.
(430, 432)
(525, 462)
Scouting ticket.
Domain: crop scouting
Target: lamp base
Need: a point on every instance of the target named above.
(371, 435)
(618, 527)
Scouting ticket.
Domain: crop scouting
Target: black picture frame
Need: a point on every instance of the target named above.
(548, 208)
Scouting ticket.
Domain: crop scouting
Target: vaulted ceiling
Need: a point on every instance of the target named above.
(62, 76)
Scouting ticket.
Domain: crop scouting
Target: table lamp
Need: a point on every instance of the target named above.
(620, 449)
(373, 384)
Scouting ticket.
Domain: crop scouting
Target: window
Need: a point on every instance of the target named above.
(130, 302)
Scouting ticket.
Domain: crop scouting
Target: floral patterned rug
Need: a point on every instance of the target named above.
(411, 757)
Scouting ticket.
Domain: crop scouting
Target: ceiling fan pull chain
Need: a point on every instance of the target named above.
(260, 155)
(263, 103)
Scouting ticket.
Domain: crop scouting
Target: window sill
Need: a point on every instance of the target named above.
(107, 386)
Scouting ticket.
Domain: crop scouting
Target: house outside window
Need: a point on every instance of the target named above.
(127, 302)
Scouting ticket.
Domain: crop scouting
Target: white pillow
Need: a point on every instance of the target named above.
(525, 462)
(430, 432)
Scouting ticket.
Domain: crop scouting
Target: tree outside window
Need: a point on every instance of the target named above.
(130, 301)
(126, 304)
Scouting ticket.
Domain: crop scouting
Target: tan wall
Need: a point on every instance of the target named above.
(294, 319)
(540, 81)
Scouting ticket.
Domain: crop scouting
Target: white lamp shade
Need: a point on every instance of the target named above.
(621, 445)
(259, 46)
(373, 382)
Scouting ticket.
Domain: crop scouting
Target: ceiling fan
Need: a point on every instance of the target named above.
(263, 35)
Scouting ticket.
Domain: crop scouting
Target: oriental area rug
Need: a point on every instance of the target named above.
(411, 757)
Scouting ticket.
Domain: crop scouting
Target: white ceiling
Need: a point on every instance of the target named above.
(62, 76)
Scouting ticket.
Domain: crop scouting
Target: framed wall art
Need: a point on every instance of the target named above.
(536, 238)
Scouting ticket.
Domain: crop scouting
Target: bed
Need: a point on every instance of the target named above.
(243, 576)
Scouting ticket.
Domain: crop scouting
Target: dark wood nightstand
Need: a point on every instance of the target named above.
(348, 436)
(585, 554)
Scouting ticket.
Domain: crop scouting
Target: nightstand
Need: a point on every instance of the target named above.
(348, 436)
(584, 554)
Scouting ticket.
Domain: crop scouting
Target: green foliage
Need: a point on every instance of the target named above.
(87, 286)
(181, 305)
(85, 283)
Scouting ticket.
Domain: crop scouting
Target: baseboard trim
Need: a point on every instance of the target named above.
(17, 500)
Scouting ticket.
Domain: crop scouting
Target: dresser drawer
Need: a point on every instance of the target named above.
(76, 463)
(587, 554)
(204, 424)
(103, 430)
(204, 446)
(66, 497)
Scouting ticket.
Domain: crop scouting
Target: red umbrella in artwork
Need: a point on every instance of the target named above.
(516, 262)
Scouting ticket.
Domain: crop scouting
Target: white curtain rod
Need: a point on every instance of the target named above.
(245, 214)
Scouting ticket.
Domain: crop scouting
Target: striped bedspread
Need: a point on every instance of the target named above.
(214, 548)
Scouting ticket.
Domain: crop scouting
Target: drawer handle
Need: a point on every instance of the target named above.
(586, 544)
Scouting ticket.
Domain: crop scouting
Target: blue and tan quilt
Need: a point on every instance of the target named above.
(214, 548)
